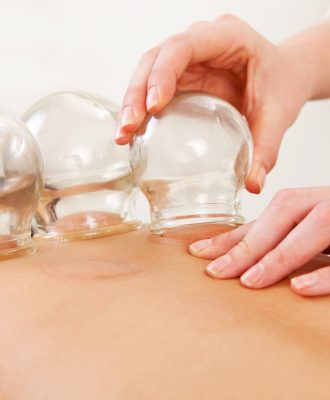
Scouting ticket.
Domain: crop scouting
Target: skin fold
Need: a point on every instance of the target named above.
(80, 321)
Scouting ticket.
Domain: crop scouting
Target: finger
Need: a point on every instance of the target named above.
(220, 43)
(222, 83)
(316, 283)
(267, 136)
(133, 109)
(309, 238)
(287, 208)
(220, 244)
(174, 57)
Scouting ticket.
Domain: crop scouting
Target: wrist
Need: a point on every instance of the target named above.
(301, 68)
(309, 53)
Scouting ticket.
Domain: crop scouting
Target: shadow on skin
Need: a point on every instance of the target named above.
(131, 255)
(117, 257)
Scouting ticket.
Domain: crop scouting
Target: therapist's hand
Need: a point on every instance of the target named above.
(225, 57)
(293, 229)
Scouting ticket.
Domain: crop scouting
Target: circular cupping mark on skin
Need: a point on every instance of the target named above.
(98, 268)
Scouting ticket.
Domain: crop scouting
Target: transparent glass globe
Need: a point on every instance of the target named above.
(89, 190)
(191, 160)
(20, 184)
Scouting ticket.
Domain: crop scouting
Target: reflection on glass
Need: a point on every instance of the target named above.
(20, 184)
(89, 190)
(191, 160)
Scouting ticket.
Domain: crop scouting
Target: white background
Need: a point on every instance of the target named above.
(46, 46)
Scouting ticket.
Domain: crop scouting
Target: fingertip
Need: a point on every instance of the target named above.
(255, 182)
(129, 120)
(201, 245)
(307, 285)
(162, 86)
(221, 268)
(209, 272)
(152, 99)
(122, 137)
(155, 109)
(156, 99)
(252, 186)
(122, 140)
(300, 291)
(254, 277)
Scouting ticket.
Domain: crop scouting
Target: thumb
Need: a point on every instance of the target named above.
(267, 136)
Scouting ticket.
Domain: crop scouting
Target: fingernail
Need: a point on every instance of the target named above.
(120, 136)
(127, 117)
(200, 245)
(261, 177)
(218, 266)
(152, 98)
(253, 275)
(305, 281)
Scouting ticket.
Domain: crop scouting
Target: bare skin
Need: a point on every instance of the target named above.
(269, 84)
(80, 321)
(300, 229)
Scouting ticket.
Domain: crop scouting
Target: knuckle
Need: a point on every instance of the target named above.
(149, 54)
(244, 248)
(163, 75)
(226, 237)
(175, 40)
(321, 214)
(229, 18)
(279, 256)
(197, 25)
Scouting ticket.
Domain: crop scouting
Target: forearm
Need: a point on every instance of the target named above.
(311, 49)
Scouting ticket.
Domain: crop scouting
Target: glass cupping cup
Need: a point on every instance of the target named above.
(191, 160)
(89, 190)
(20, 185)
